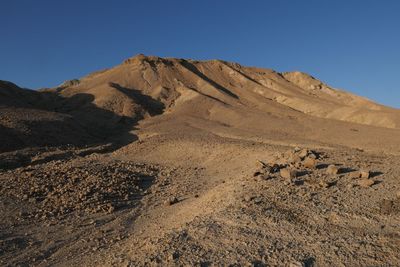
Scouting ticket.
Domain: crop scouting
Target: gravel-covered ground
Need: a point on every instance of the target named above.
(266, 205)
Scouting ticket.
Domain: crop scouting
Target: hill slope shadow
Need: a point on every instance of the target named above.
(192, 68)
(100, 125)
(150, 105)
(71, 122)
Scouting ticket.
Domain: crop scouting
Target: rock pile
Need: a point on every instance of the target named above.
(59, 188)
(289, 165)
(300, 162)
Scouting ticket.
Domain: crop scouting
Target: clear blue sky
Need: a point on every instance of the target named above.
(354, 45)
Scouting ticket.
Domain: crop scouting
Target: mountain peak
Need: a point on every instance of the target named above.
(140, 58)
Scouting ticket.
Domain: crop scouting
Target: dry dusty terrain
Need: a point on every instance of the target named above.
(173, 162)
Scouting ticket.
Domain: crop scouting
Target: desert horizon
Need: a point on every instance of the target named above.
(63, 81)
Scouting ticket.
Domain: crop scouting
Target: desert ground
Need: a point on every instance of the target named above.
(178, 162)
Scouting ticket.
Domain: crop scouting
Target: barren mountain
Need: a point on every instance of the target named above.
(175, 162)
(215, 91)
(146, 85)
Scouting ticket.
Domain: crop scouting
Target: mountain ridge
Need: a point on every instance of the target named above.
(101, 104)
(230, 79)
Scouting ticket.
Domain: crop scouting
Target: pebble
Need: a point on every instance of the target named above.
(175, 255)
(172, 200)
(360, 174)
(288, 173)
(324, 184)
(355, 174)
(332, 169)
(303, 153)
(258, 200)
(248, 198)
(366, 182)
(310, 162)
(364, 174)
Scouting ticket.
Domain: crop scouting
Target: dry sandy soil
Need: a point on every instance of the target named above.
(173, 162)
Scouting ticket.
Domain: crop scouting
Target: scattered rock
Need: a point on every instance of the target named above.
(324, 184)
(261, 164)
(257, 200)
(332, 169)
(310, 163)
(360, 174)
(364, 174)
(366, 182)
(257, 173)
(248, 198)
(298, 182)
(355, 174)
(293, 158)
(288, 173)
(172, 200)
(266, 171)
(110, 208)
(296, 149)
(58, 188)
(313, 155)
(275, 168)
(175, 255)
(303, 153)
